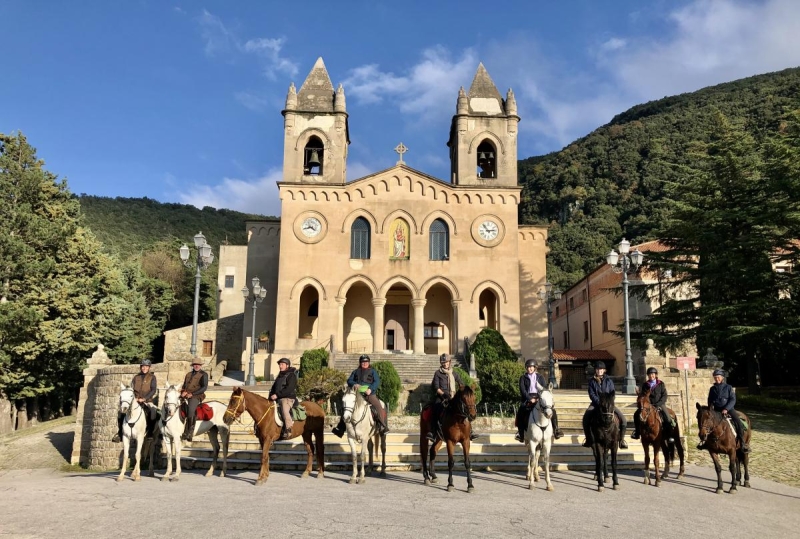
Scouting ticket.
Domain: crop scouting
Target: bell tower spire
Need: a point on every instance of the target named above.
(316, 133)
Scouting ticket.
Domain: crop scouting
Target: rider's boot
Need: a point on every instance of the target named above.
(635, 435)
(339, 429)
(118, 436)
(557, 432)
(472, 434)
(188, 430)
(622, 443)
(383, 422)
(587, 442)
(434, 430)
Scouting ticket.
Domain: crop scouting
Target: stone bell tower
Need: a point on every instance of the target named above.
(483, 135)
(315, 131)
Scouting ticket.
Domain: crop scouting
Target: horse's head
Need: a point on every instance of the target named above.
(545, 403)
(704, 424)
(643, 398)
(236, 406)
(607, 408)
(125, 398)
(348, 403)
(172, 397)
(466, 402)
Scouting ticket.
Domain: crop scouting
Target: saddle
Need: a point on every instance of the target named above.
(204, 411)
(297, 410)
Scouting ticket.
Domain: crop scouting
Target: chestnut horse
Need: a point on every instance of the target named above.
(719, 438)
(456, 428)
(605, 431)
(652, 434)
(267, 430)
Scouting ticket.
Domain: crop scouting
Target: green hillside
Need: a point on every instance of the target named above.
(611, 183)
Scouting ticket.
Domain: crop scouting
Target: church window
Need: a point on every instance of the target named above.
(487, 160)
(359, 239)
(312, 157)
(439, 240)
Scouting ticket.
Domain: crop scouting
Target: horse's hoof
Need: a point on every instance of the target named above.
(304, 475)
(222, 474)
(165, 478)
(615, 487)
(209, 473)
(363, 480)
(435, 481)
(658, 483)
(646, 481)
(259, 482)
(732, 491)
(383, 474)
(530, 486)
(664, 475)
(427, 482)
(320, 475)
(719, 491)
(449, 488)
(550, 488)
(600, 489)
(747, 484)
(352, 481)
(175, 479)
(594, 477)
(120, 478)
(680, 476)
(137, 478)
(470, 490)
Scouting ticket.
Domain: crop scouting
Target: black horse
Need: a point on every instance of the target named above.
(605, 433)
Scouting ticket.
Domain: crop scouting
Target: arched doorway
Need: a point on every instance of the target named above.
(439, 323)
(358, 320)
(308, 313)
(488, 309)
(397, 322)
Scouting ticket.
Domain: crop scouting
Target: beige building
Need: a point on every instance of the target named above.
(588, 314)
(397, 261)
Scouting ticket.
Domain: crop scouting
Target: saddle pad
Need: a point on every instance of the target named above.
(204, 412)
(427, 413)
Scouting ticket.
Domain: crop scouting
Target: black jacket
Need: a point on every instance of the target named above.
(442, 381)
(658, 394)
(285, 385)
(525, 392)
(721, 397)
(605, 385)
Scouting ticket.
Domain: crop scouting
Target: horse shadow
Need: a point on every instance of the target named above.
(62, 441)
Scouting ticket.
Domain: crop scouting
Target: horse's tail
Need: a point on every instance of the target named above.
(669, 454)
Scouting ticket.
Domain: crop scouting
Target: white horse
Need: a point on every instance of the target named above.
(361, 429)
(133, 428)
(539, 437)
(172, 429)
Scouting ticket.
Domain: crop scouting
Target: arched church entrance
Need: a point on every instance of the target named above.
(308, 313)
(439, 323)
(397, 335)
(358, 320)
(488, 307)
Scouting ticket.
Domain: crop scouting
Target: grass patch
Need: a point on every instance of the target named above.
(73, 468)
(768, 404)
(41, 427)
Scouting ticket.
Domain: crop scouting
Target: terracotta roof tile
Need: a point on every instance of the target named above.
(589, 355)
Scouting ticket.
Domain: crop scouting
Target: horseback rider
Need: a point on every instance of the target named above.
(284, 391)
(600, 383)
(658, 398)
(194, 390)
(445, 384)
(530, 385)
(366, 381)
(722, 398)
(144, 387)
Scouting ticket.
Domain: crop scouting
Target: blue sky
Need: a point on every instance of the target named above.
(180, 101)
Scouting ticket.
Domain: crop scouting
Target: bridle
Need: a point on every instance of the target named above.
(130, 405)
(543, 409)
(709, 431)
(351, 409)
(170, 408)
(240, 401)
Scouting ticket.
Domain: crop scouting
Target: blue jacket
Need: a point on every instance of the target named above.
(365, 377)
(721, 396)
(606, 385)
(524, 386)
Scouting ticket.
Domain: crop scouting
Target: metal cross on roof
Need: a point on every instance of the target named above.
(401, 149)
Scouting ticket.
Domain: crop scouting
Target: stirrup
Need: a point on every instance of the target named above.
(431, 436)
(473, 436)
(587, 443)
(623, 444)
(518, 437)
(116, 439)
(558, 434)
(745, 448)
(635, 435)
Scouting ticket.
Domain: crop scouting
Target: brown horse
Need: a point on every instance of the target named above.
(267, 430)
(456, 429)
(652, 434)
(718, 437)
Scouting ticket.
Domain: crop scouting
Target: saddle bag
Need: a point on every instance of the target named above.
(298, 412)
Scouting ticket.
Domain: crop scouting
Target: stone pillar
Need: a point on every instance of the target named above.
(340, 324)
(377, 324)
(454, 338)
(419, 325)
(651, 357)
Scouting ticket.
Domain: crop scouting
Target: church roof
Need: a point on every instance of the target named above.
(483, 85)
(316, 93)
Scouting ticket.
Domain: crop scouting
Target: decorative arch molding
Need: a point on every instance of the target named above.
(309, 281)
(439, 214)
(385, 184)
(267, 230)
(290, 193)
(403, 215)
(444, 281)
(493, 286)
(302, 138)
(355, 214)
(357, 279)
(502, 199)
(480, 137)
(395, 280)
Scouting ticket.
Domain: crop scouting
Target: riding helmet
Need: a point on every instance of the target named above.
(599, 365)
(443, 359)
(145, 362)
(652, 370)
(364, 357)
(719, 372)
(285, 360)
(530, 363)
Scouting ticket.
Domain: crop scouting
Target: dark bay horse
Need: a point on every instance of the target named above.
(456, 428)
(605, 433)
(267, 430)
(652, 433)
(719, 438)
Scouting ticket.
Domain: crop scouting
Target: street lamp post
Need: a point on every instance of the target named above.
(204, 259)
(548, 295)
(259, 294)
(626, 262)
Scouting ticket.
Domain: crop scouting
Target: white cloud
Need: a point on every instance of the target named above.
(259, 196)
(253, 101)
(613, 44)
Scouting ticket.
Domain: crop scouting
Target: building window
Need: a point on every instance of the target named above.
(229, 281)
(312, 157)
(208, 348)
(566, 341)
(571, 303)
(605, 321)
(583, 295)
(585, 330)
(439, 240)
(359, 239)
(487, 162)
(313, 310)
(434, 330)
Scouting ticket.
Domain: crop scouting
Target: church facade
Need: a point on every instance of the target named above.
(397, 261)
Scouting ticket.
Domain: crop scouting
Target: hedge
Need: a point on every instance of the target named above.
(313, 360)
(390, 387)
(500, 381)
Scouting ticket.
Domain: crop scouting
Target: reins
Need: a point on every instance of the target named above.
(240, 400)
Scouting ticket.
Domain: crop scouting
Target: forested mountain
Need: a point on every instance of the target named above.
(612, 182)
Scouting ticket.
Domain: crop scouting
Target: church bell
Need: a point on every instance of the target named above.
(313, 160)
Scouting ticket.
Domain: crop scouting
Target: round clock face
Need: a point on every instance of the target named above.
(311, 227)
(488, 230)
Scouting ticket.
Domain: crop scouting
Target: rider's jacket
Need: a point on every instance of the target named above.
(721, 397)
(285, 384)
(598, 386)
(365, 377)
(658, 393)
(525, 393)
(144, 386)
(196, 383)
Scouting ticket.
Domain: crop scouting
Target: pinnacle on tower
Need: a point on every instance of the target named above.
(316, 93)
(483, 85)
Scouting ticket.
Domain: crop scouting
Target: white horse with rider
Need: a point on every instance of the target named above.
(539, 437)
(172, 428)
(134, 427)
(362, 429)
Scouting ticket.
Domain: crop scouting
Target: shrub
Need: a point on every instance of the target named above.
(313, 360)
(322, 384)
(467, 379)
(389, 390)
(490, 347)
(500, 381)
(768, 404)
